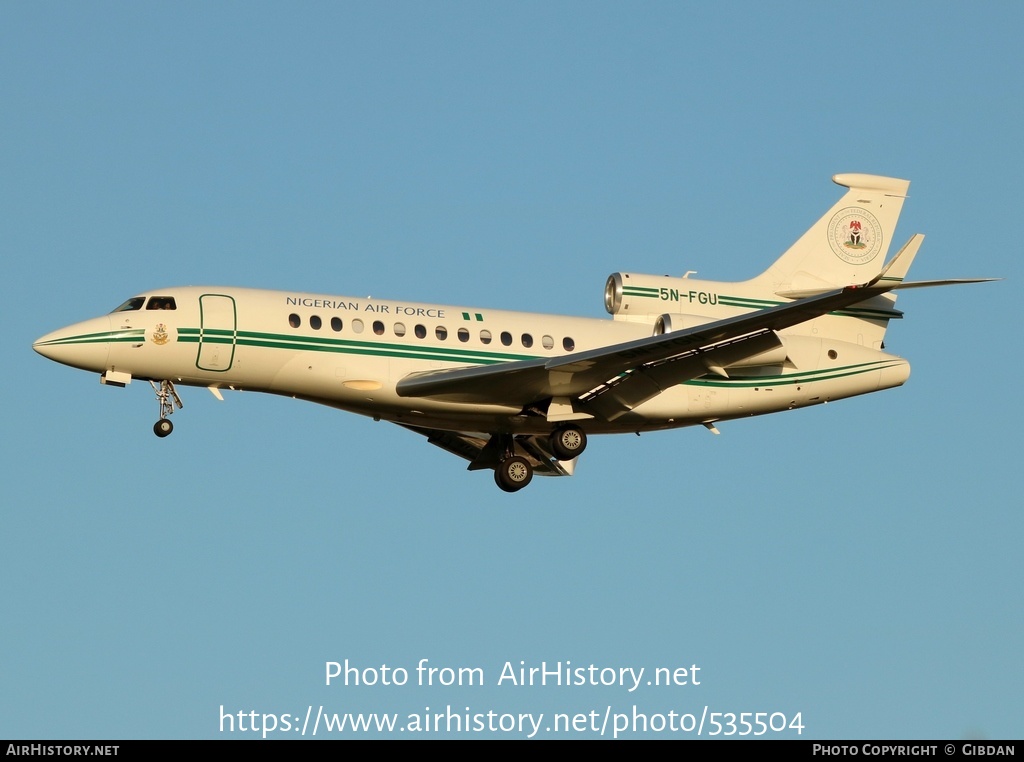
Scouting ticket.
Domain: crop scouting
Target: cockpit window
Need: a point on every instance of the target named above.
(135, 303)
(161, 303)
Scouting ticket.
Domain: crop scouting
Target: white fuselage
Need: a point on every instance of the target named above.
(350, 353)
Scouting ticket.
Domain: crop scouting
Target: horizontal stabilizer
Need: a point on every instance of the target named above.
(946, 282)
(891, 186)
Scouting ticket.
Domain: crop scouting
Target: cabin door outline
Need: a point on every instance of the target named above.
(218, 332)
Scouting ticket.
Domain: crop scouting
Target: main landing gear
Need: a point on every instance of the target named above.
(513, 472)
(568, 442)
(168, 398)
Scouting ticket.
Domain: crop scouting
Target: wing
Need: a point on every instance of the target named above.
(612, 380)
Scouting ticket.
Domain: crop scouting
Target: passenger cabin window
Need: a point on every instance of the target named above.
(161, 303)
(294, 320)
(135, 303)
(315, 322)
(485, 336)
(378, 327)
(527, 340)
(506, 338)
(335, 324)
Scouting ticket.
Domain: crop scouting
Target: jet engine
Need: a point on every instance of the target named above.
(657, 300)
(632, 296)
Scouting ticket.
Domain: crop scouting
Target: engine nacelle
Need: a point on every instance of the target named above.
(668, 322)
(629, 296)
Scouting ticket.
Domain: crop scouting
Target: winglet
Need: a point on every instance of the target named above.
(898, 267)
(892, 277)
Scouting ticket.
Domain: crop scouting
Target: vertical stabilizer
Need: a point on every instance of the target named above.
(849, 244)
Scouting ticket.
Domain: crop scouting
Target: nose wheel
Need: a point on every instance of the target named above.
(168, 397)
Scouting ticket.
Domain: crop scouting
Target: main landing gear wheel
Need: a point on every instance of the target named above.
(568, 442)
(163, 427)
(512, 474)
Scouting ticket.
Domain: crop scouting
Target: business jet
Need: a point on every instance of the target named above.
(519, 393)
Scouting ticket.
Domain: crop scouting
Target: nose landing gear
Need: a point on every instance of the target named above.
(168, 397)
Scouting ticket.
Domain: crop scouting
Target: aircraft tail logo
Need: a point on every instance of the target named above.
(855, 235)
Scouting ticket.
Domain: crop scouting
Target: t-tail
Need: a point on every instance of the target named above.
(847, 246)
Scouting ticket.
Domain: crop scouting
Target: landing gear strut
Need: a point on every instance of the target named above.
(168, 398)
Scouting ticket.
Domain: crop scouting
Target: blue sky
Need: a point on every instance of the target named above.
(858, 563)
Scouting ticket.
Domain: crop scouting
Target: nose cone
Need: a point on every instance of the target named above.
(82, 345)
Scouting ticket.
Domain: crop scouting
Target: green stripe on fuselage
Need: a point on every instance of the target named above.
(351, 346)
(744, 302)
(102, 337)
(799, 377)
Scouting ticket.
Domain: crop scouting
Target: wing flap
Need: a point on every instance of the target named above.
(623, 393)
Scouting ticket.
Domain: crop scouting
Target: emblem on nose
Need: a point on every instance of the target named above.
(160, 335)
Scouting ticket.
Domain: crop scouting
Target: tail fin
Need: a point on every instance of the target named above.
(846, 246)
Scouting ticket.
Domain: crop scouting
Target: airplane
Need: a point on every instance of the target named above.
(519, 393)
